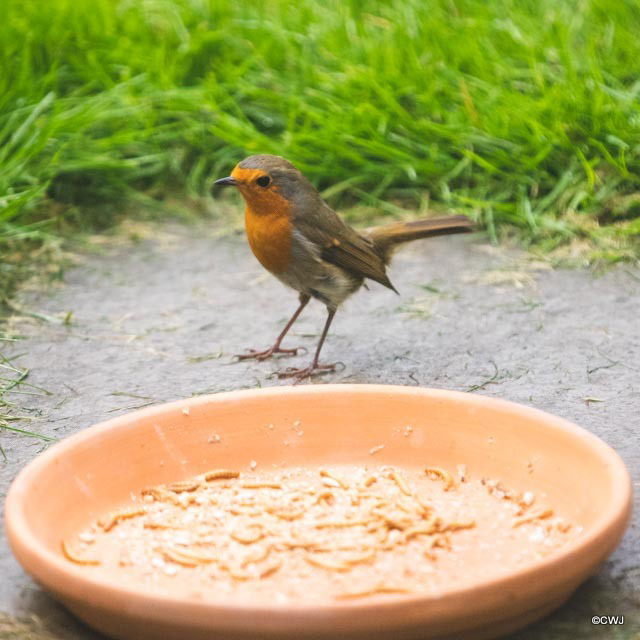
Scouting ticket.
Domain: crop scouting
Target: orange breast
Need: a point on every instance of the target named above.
(269, 237)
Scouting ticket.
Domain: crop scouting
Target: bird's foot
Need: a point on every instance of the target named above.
(314, 369)
(253, 354)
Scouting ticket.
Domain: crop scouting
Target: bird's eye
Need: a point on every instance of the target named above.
(263, 181)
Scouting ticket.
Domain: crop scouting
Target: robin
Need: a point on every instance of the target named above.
(296, 236)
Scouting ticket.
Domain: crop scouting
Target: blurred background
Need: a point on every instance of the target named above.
(523, 114)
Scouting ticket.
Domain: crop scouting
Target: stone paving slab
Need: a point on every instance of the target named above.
(160, 320)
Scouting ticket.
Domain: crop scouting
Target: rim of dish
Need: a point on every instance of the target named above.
(69, 580)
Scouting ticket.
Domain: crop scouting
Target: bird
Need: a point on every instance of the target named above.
(303, 242)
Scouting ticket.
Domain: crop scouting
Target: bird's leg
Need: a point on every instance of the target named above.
(267, 353)
(314, 368)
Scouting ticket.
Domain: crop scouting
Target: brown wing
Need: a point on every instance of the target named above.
(342, 246)
(357, 258)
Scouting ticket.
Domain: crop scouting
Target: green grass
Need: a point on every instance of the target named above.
(13, 380)
(525, 114)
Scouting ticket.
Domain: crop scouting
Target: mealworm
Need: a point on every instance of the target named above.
(307, 545)
(186, 558)
(429, 528)
(157, 525)
(71, 555)
(396, 523)
(457, 526)
(536, 515)
(184, 485)
(325, 564)
(243, 512)
(263, 554)
(366, 557)
(425, 509)
(441, 542)
(441, 474)
(341, 524)
(326, 496)
(221, 474)
(285, 515)
(399, 480)
(339, 547)
(331, 476)
(403, 506)
(237, 575)
(113, 518)
(378, 589)
(270, 569)
(260, 485)
(249, 538)
(162, 495)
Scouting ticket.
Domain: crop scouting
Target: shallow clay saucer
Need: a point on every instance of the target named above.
(95, 470)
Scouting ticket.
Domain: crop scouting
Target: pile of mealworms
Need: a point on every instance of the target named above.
(348, 531)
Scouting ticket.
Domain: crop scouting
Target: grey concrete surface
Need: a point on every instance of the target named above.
(160, 320)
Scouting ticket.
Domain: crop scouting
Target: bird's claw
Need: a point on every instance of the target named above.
(254, 354)
(300, 374)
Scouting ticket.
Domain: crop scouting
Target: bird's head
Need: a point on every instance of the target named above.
(269, 183)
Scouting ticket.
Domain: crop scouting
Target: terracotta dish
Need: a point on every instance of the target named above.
(95, 470)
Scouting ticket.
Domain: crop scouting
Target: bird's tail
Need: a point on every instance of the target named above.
(387, 238)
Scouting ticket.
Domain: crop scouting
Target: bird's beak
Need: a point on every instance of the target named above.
(226, 182)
